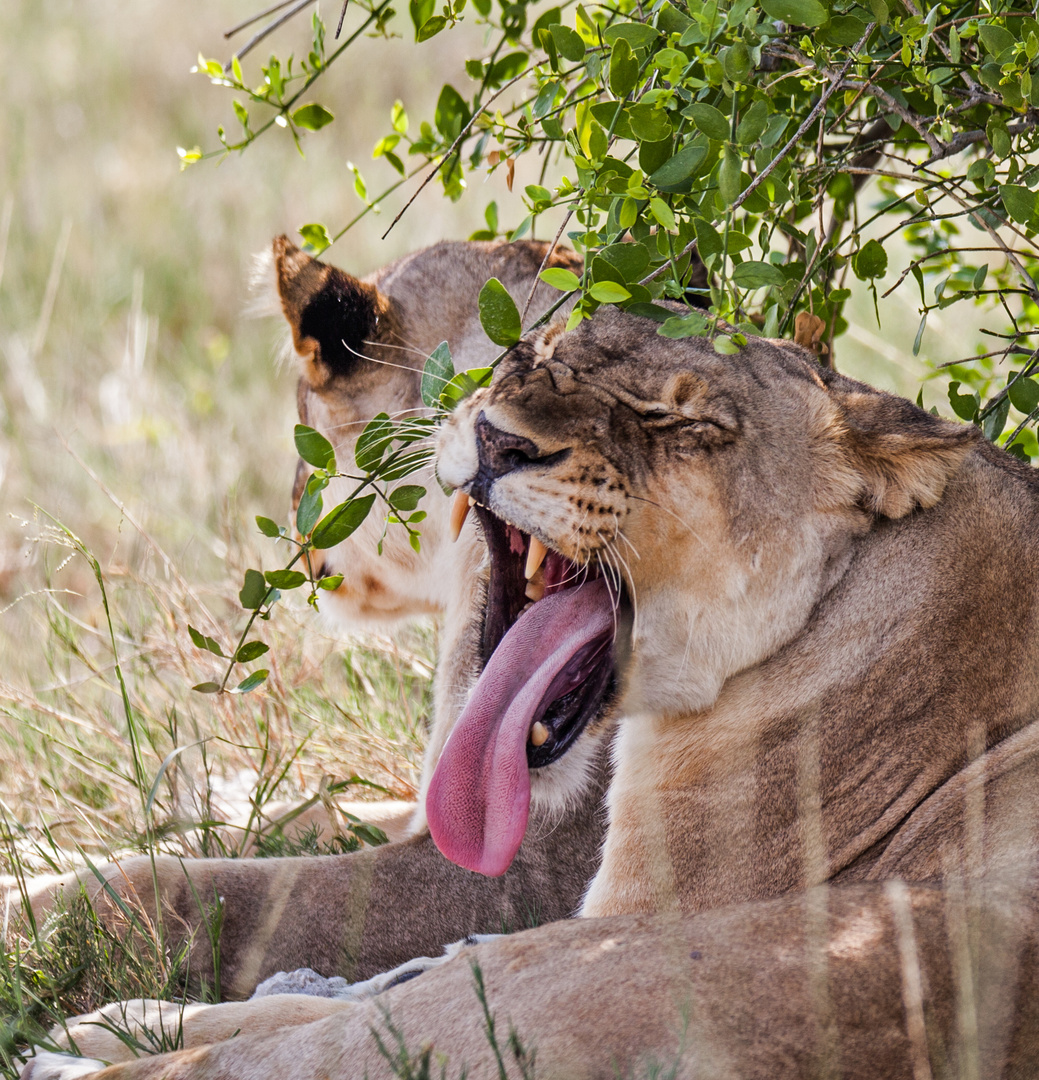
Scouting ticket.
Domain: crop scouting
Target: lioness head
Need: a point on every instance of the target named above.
(361, 346)
(700, 504)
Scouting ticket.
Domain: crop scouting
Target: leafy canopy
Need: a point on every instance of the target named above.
(754, 159)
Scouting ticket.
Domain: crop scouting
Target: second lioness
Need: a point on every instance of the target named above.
(361, 347)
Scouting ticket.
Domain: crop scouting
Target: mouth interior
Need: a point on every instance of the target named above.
(548, 648)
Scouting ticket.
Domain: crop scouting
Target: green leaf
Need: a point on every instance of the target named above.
(870, 261)
(631, 261)
(313, 117)
(498, 314)
(437, 372)
(624, 69)
(207, 687)
(796, 12)
(268, 527)
(285, 579)
(309, 509)
(752, 124)
(996, 39)
(462, 385)
(406, 497)
(725, 346)
(451, 113)
(996, 420)
(729, 173)
(682, 326)
(251, 650)
(1019, 201)
(257, 678)
(201, 641)
(845, 30)
(663, 214)
(965, 406)
(372, 442)
(568, 42)
(609, 292)
(430, 28)
(648, 124)
(675, 174)
(330, 583)
(757, 275)
(560, 278)
(340, 522)
(420, 11)
(1023, 393)
(253, 592)
(737, 62)
(638, 35)
(314, 448)
(315, 238)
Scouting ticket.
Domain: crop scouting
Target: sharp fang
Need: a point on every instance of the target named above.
(538, 734)
(535, 557)
(460, 503)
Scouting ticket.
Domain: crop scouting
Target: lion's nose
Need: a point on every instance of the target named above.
(498, 453)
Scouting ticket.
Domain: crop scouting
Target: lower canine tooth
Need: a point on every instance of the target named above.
(538, 734)
(535, 557)
(460, 503)
(535, 589)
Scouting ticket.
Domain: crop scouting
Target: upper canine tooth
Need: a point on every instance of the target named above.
(535, 557)
(460, 503)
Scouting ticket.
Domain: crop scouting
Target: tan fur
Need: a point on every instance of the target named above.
(830, 686)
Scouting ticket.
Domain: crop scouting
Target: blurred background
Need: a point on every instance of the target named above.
(142, 409)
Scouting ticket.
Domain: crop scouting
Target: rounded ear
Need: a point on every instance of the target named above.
(905, 456)
(331, 314)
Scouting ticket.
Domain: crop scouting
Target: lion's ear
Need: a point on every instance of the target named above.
(905, 456)
(331, 314)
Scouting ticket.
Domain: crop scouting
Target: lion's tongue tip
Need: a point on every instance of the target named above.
(490, 855)
(478, 801)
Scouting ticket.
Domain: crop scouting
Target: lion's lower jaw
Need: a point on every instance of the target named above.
(557, 789)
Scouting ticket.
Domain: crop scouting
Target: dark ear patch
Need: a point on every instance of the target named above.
(904, 455)
(331, 314)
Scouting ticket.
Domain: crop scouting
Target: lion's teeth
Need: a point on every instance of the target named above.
(460, 503)
(535, 557)
(535, 589)
(538, 734)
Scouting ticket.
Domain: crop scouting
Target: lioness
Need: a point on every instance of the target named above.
(824, 600)
(361, 346)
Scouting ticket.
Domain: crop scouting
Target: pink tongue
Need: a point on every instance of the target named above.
(479, 797)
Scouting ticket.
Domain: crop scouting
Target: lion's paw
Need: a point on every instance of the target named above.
(46, 1065)
(307, 981)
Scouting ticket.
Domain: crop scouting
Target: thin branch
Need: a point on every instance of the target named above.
(256, 18)
(544, 262)
(462, 135)
(342, 16)
(268, 29)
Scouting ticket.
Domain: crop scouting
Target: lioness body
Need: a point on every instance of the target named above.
(830, 683)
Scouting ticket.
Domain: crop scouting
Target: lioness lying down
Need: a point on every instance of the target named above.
(819, 602)
(361, 346)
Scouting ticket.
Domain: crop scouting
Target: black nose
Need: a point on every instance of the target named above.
(500, 452)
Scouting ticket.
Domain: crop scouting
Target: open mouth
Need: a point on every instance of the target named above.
(549, 656)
